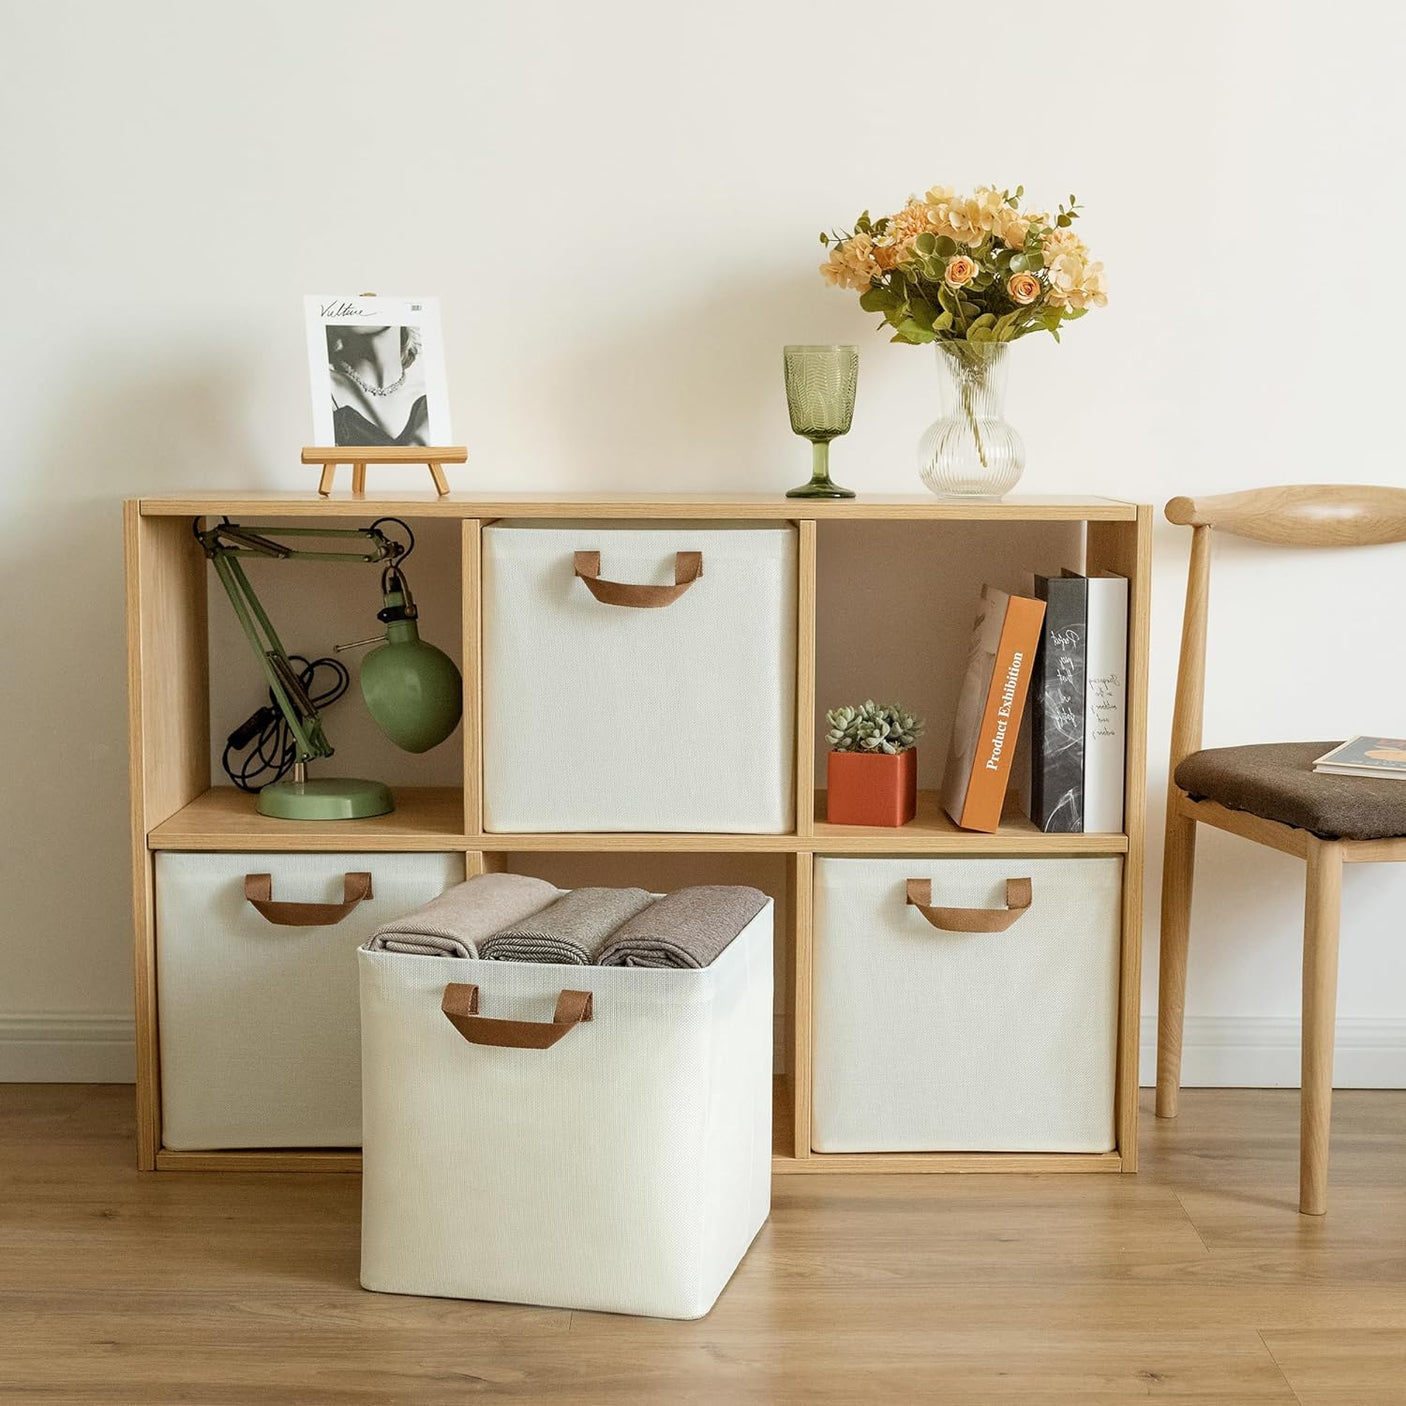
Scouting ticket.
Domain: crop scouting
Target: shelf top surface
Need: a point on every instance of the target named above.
(432, 818)
(873, 506)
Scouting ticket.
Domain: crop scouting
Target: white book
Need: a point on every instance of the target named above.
(1106, 703)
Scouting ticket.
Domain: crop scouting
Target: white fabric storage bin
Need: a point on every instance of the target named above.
(939, 1040)
(604, 716)
(627, 1168)
(258, 1019)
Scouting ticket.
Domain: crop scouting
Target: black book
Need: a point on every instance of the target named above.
(1057, 691)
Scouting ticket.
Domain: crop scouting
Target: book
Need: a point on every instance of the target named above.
(1000, 663)
(1105, 702)
(1057, 696)
(1366, 756)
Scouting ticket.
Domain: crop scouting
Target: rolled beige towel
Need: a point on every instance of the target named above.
(453, 924)
(690, 927)
(569, 933)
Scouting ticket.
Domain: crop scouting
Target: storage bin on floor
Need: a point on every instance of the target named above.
(258, 1009)
(956, 1035)
(625, 1167)
(668, 703)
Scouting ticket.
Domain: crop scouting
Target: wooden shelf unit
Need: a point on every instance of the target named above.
(175, 807)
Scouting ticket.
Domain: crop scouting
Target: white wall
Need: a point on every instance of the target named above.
(618, 204)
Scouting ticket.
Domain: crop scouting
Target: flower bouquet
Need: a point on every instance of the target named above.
(971, 274)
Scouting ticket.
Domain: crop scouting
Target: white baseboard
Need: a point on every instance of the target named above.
(67, 1047)
(1257, 1052)
(1262, 1052)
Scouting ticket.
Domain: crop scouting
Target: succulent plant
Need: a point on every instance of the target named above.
(872, 727)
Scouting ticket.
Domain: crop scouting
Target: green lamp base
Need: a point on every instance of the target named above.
(328, 798)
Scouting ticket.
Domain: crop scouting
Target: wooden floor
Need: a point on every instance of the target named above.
(1195, 1280)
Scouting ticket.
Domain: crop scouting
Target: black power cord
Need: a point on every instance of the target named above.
(264, 737)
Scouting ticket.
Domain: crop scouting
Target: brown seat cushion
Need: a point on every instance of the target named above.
(1276, 781)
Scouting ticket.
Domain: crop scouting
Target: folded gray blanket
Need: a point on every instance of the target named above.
(453, 924)
(688, 928)
(571, 932)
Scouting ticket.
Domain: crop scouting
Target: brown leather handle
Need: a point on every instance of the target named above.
(460, 1004)
(688, 567)
(258, 889)
(1018, 898)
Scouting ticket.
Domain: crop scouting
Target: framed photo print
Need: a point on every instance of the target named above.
(377, 367)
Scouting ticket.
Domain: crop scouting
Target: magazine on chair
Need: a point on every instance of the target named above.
(1366, 756)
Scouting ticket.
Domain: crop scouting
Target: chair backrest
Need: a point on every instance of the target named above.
(1291, 515)
(1302, 514)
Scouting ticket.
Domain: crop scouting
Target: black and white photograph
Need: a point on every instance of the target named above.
(377, 367)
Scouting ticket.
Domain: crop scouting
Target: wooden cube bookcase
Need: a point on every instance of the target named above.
(175, 807)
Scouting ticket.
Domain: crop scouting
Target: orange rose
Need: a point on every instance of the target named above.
(1023, 288)
(960, 270)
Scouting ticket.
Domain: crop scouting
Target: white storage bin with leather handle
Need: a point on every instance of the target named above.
(639, 676)
(257, 989)
(965, 1004)
(575, 1136)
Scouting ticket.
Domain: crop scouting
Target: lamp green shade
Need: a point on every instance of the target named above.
(412, 689)
(820, 386)
(326, 798)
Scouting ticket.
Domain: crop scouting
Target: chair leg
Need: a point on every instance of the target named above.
(1178, 871)
(1322, 913)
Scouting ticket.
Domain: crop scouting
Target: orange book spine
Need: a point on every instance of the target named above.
(1000, 723)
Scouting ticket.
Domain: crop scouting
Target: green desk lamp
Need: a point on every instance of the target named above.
(412, 690)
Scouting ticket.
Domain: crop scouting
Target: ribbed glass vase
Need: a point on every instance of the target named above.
(971, 451)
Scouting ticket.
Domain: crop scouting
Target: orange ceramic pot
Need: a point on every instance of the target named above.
(867, 788)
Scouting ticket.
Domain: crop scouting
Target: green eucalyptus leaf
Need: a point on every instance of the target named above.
(911, 331)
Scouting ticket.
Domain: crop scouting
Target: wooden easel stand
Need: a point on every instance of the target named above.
(359, 457)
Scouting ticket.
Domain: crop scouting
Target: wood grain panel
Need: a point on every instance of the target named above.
(168, 747)
(805, 677)
(872, 507)
(1126, 549)
(1195, 1280)
(222, 818)
(1301, 514)
(802, 881)
(471, 595)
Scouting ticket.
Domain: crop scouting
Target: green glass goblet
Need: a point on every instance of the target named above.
(820, 384)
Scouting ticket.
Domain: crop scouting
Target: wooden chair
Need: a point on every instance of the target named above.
(1272, 795)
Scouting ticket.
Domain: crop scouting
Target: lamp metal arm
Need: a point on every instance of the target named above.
(224, 544)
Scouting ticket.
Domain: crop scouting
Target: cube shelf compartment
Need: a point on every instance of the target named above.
(175, 806)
